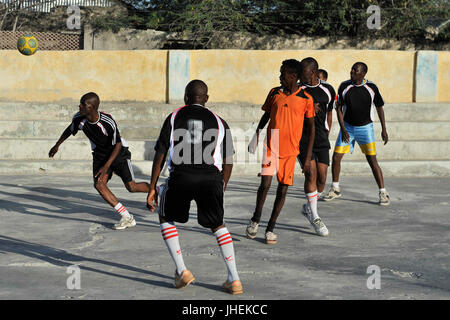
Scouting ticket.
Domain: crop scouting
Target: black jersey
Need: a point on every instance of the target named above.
(323, 94)
(195, 138)
(358, 101)
(103, 134)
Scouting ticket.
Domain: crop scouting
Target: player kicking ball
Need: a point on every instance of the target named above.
(110, 154)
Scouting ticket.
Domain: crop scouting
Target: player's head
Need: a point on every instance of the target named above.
(309, 70)
(89, 103)
(358, 72)
(322, 74)
(196, 92)
(290, 72)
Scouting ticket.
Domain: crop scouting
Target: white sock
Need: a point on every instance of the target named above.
(170, 235)
(226, 247)
(335, 184)
(312, 203)
(383, 190)
(122, 210)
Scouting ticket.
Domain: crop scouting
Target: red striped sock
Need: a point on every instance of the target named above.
(169, 233)
(225, 243)
(122, 210)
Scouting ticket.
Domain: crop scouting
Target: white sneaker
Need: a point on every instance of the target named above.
(320, 227)
(252, 229)
(125, 223)
(271, 238)
(332, 194)
(384, 198)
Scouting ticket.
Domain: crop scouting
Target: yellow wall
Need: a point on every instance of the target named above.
(232, 75)
(113, 75)
(248, 75)
(443, 76)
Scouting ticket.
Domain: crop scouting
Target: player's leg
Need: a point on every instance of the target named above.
(124, 169)
(261, 195)
(269, 164)
(101, 186)
(174, 207)
(278, 204)
(209, 199)
(341, 148)
(285, 177)
(366, 139)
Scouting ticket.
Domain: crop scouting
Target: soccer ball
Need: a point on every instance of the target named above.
(27, 45)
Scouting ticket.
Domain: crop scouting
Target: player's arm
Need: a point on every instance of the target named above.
(103, 172)
(66, 134)
(157, 167)
(227, 168)
(228, 152)
(311, 133)
(262, 123)
(329, 120)
(379, 103)
(161, 149)
(340, 117)
(384, 135)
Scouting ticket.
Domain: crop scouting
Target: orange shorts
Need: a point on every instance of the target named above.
(284, 166)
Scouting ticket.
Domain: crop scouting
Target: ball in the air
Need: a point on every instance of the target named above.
(27, 45)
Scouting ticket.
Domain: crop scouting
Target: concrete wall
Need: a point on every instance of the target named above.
(232, 75)
(249, 75)
(54, 75)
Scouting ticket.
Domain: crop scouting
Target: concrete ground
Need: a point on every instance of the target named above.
(50, 223)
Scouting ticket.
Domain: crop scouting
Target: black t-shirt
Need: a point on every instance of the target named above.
(103, 134)
(324, 94)
(196, 139)
(358, 101)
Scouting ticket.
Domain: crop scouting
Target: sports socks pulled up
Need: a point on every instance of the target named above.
(225, 243)
(170, 235)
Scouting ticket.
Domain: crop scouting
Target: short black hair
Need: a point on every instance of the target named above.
(325, 73)
(310, 62)
(362, 65)
(293, 66)
(196, 88)
(90, 95)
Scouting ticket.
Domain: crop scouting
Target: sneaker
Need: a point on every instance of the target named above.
(184, 280)
(271, 238)
(320, 227)
(125, 223)
(234, 287)
(306, 213)
(332, 194)
(384, 198)
(252, 229)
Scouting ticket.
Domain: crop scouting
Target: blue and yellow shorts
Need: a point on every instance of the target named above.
(364, 135)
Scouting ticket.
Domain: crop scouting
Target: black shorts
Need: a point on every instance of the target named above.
(121, 166)
(322, 156)
(207, 191)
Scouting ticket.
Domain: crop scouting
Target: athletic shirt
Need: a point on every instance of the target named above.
(196, 139)
(358, 101)
(103, 134)
(287, 114)
(323, 94)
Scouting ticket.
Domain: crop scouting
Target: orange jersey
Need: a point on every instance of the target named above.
(287, 114)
